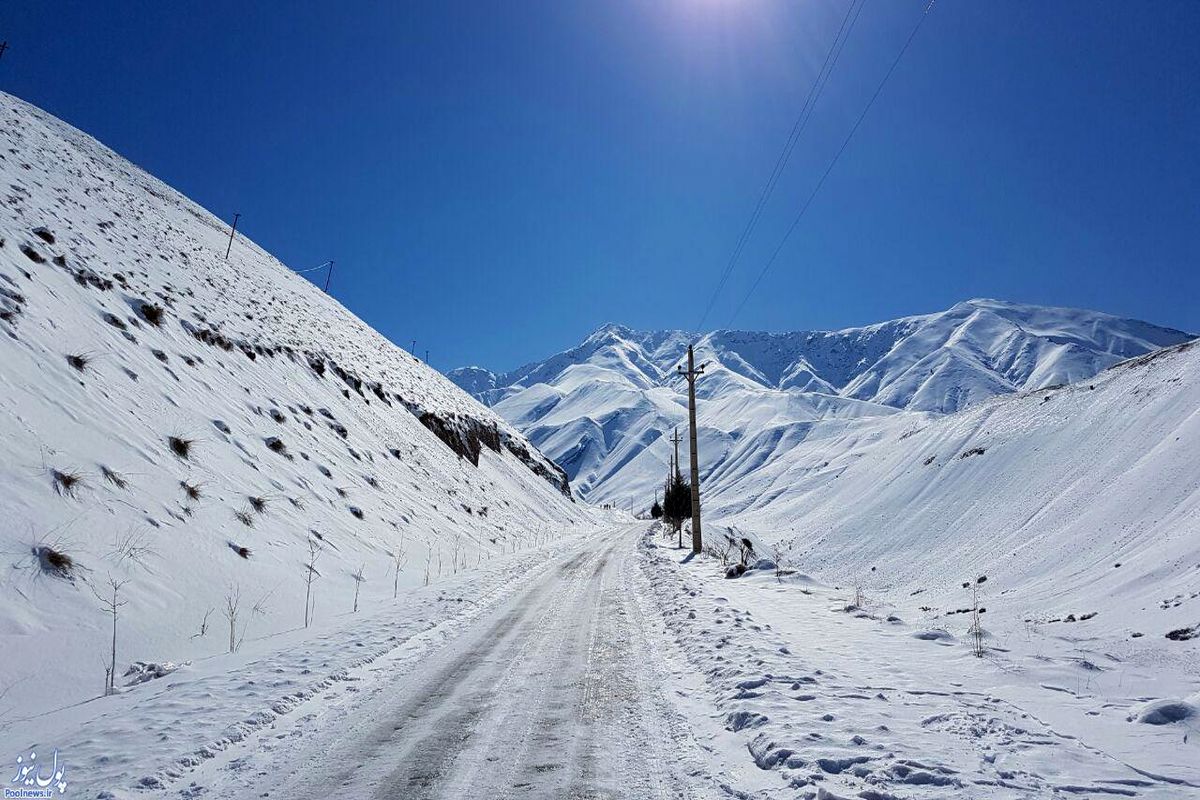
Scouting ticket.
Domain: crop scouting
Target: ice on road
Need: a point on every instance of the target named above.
(552, 694)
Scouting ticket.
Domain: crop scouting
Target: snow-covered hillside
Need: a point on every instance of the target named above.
(1080, 505)
(1076, 499)
(188, 425)
(604, 410)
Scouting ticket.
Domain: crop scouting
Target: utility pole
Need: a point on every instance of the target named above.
(3, 47)
(675, 463)
(426, 355)
(412, 351)
(691, 375)
(232, 231)
(328, 275)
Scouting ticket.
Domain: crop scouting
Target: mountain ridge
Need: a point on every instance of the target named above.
(594, 408)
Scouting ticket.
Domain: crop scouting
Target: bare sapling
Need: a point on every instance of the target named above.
(200, 634)
(428, 561)
(860, 595)
(399, 559)
(310, 575)
(724, 547)
(233, 602)
(359, 580)
(777, 559)
(976, 630)
(259, 609)
(111, 602)
(747, 551)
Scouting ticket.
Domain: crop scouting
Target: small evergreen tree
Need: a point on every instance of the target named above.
(656, 510)
(677, 504)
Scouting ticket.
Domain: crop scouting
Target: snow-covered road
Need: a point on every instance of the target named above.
(610, 664)
(553, 693)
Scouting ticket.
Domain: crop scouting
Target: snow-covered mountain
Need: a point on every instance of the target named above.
(603, 409)
(189, 425)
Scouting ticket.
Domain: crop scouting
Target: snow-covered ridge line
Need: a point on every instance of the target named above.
(604, 410)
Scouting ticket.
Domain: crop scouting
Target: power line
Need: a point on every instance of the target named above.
(833, 163)
(322, 265)
(810, 101)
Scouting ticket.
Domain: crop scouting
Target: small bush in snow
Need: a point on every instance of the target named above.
(78, 362)
(115, 478)
(181, 447)
(191, 491)
(66, 482)
(746, 548)
(152, 313)
(55, 562)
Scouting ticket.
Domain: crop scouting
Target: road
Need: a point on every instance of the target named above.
(554, 693)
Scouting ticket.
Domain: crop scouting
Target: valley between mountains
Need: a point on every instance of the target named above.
(254, 549)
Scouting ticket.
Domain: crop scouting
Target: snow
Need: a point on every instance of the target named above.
(190, 427)
(605, 410)
(284, 396)
(839, 701)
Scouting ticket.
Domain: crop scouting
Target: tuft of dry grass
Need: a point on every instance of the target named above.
(241, 550)
(190, 490)
(276, 445)
(66, 483)
(55, 562)
(78, 362)
(115, 478)
(243, 516)
(180, 446)
(259, 504)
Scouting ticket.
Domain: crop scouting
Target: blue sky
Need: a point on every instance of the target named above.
(495, 180)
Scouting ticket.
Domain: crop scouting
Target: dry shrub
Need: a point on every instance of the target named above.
(115, 478)
(55, 562)
(180, 446)
(66, 482)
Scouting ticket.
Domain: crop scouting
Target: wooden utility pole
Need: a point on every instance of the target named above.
(3, 47)
(675, 463)
(691, 375)
(328, 276)
(232, 231)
